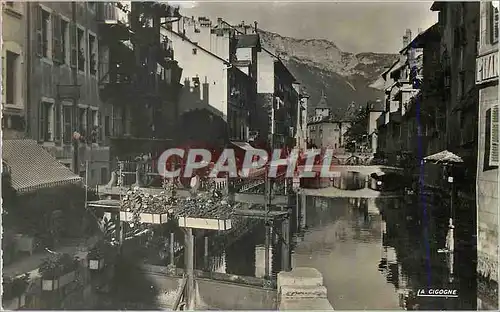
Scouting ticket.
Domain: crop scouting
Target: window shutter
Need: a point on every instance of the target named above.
(57, 119)
(73, 45)
(56, 39)
(39, 30)
(100, 131)
(494, 137)
(41, 122)
(495, 24)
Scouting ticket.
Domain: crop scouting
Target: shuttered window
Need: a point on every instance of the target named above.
(73, 45)
(39, 31)
(57, 41)
(46, 122)
(494, 21)
(67, 116)
(494, 137)
(57, 118)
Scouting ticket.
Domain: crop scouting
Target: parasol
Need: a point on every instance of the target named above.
(445, 157)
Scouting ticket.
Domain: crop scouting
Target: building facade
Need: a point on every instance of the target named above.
(488, 157)
(375, 110)
(14, 84)
(139, 78)
(213, 76)
(326, 129)
(63, 94)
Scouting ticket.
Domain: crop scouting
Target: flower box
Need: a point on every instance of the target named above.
(16, 303)
(152, 218)
(96, 264)
(206, 224)
(14, 291)
(57, 271)
(53, 284)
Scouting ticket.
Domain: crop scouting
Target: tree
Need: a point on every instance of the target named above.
(359, 126)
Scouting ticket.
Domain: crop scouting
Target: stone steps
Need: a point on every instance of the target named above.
(302, 289)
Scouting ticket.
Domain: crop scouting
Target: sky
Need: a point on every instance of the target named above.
(353, 26)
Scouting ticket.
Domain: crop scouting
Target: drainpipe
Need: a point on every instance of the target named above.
(28, 50)
(74, 76)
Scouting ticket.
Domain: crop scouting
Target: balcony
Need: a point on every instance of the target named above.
(114, 20)
(380, 121)
(165, 52)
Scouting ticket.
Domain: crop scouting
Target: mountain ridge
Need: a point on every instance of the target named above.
(321, 66)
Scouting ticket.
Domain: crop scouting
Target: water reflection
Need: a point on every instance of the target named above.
(373, 256)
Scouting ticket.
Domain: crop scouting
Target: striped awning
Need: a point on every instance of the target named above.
(33, 168)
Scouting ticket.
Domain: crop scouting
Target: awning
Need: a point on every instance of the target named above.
(244, 146)
(443, 158)
(33, 168)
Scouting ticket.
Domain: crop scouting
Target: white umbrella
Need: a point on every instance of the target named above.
(444, 157)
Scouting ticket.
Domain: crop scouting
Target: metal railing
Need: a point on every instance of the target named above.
(113, 11)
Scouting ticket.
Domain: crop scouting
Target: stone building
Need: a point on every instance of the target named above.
(459, 25)
(327, 129)
(375, 110)
(276, 102)
(14, 84)
(63, 94)
(138, 78)
(210, 82)
(271, 100)
(488, 157)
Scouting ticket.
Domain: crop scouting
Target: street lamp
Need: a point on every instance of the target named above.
(76, 139)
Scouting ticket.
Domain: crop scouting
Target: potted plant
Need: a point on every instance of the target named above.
(140, 207)
(57, 270)
(14, 290)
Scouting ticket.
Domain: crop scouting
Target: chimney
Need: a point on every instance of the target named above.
(219, 22)
(255, 26)
(407, 38)
(419, 31)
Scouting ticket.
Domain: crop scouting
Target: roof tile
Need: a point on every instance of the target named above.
(32, 167)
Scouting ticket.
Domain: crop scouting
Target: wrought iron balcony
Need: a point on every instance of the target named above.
(114, 12)
(166, 49)
(114, 20)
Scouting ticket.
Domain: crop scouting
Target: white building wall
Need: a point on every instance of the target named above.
(265, 70)
(211, 71)
(244, 54)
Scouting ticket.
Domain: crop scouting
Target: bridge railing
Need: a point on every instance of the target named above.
(280, 185)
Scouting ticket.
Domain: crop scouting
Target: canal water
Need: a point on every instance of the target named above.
(371, 255)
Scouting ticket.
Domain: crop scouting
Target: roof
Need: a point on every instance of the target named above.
(419, 41)
(437, 6)
(389, 88)
(248, 41)
(285, 69)
(196, 45)
(376, 106)
(33, 168)
(242, 33)
(389, 69)
(322, 102)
